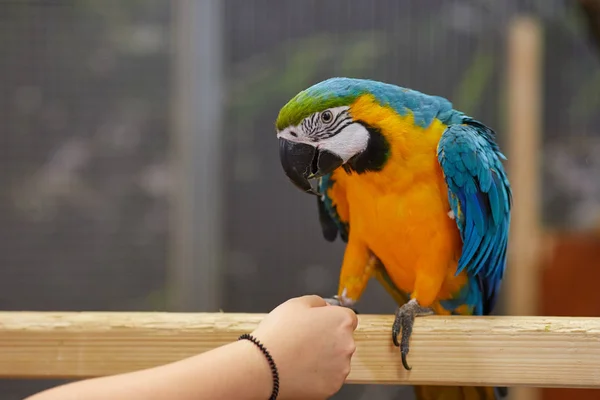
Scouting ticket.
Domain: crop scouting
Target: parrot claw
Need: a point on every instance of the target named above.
(334, 301)
(404, 320)
(340, 301)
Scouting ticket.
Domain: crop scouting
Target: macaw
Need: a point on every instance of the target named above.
(417, 191)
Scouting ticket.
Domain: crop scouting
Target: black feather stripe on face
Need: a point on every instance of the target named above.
(337, 121)
(316, 130)
(344, 120)
(374, 157)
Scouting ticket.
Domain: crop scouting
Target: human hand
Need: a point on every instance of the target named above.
(312, 344)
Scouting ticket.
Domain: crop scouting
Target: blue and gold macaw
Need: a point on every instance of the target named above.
(415, 188)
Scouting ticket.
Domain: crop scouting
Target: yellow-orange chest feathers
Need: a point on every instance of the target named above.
(402, 212)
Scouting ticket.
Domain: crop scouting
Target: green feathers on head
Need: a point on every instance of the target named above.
(305, 104)
(335, 92)
(323, 95)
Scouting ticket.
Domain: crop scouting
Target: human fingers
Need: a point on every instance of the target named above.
(353, 318)
(312, 300)
(345, 315)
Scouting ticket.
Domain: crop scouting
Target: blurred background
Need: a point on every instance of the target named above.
(139, 166)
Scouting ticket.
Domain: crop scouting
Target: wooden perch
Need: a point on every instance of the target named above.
(502, 351)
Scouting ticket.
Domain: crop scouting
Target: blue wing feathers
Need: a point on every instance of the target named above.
(481, 198)
(331, 223)
(328, 226)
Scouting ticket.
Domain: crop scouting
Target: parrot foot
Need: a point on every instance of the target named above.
(341, 301)
(405, 318)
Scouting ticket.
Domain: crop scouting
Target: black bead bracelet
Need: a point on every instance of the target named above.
(274, 371)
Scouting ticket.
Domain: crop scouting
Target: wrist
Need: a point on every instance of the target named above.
(258, 362)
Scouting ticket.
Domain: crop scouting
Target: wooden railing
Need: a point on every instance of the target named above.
(500, 351)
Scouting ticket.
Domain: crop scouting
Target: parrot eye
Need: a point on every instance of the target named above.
(326, 116)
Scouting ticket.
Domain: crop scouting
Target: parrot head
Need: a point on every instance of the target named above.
(318, 134)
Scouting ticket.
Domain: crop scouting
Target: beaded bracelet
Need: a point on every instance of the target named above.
(262, 348)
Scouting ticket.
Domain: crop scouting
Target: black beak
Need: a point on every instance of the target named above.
(302, 162)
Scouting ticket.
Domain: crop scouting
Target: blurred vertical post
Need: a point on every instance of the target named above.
(524, 79)
(193, 273)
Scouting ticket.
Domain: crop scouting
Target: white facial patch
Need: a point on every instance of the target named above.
(351, 139)
(295, 134)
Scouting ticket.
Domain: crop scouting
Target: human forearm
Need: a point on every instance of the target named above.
(311, 343)
(238, 370)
